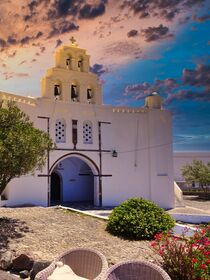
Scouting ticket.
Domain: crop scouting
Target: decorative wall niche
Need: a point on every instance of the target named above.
(87, 132)
(60, 131)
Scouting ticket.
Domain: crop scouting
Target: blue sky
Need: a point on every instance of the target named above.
(136, 47)
(191, 117)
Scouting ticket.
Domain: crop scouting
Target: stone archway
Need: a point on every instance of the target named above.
(79, 183)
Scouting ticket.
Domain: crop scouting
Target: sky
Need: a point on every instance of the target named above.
(136, 47)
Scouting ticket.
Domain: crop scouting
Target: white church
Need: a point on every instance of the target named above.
(103, 154)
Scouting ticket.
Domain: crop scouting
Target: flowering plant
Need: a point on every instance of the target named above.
(185, 258)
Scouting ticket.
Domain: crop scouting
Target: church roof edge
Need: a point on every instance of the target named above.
(18, 98)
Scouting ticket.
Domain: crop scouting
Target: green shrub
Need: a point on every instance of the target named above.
(137, 218)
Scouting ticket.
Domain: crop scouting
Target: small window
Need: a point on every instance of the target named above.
(74, 133)
(87, 133)
(60, 131)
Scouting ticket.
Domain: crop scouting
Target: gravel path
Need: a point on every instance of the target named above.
(6, 276)
(47, 232)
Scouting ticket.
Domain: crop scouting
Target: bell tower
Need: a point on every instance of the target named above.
(71, 80)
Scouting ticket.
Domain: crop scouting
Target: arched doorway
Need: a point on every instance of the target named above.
(55, 188)
(79, 185)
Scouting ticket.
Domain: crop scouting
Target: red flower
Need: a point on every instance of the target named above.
(153, 243)
(204, 266)
(207, 253)
(203, 231)
(158, 236)
(161, 252)
(194, 260)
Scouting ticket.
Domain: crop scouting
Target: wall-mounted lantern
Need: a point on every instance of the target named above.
(114, 153)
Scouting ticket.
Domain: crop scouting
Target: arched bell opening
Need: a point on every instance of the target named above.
(57, 90)
(69, 62)
(80, 64)
(74, 92)
(90, 95)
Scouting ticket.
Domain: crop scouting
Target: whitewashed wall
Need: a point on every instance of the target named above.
(143, 141)
(27, 190)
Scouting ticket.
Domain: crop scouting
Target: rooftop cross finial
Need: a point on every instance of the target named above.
(73, 41)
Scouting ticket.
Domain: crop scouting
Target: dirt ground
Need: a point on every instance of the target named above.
(47, 232)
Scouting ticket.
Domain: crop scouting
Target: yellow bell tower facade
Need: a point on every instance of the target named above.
(71, 80)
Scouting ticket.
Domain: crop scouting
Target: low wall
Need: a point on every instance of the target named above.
(191, 218)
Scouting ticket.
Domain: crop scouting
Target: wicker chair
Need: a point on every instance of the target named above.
(86, 263)
(136, 270)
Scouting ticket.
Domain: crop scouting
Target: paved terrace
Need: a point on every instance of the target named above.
(193, 206)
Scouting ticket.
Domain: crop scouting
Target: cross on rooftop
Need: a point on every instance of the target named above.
(73, 41)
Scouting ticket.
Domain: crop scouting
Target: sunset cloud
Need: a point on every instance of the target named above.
(188, 95)
(201, 19)
(166, 9)
(156, 33)
(139, 91)
(11, 40)
(132, 33)
(199, 77)
(61, 28)
(98, 69)
(58, 43)
(197, 81)
(64, 8)
(90, 11)
(123, 48)
(10, 75)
